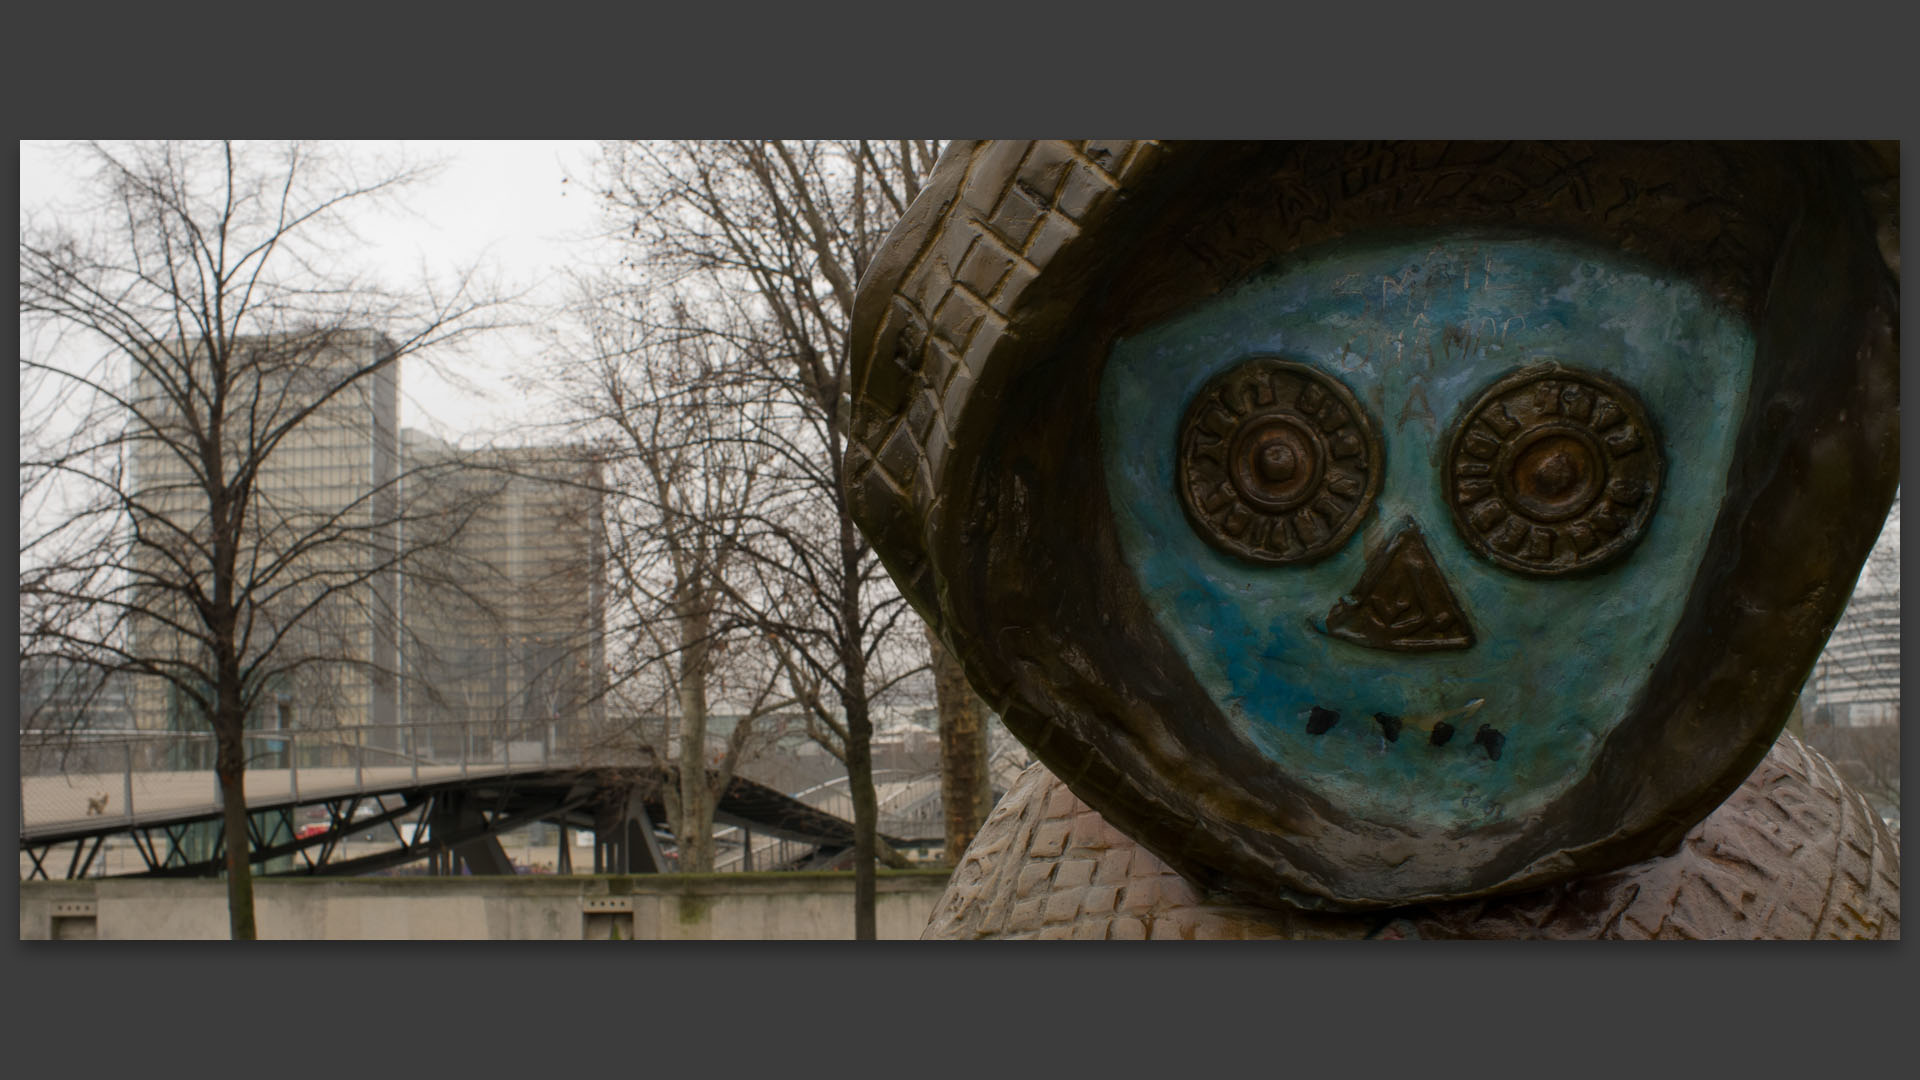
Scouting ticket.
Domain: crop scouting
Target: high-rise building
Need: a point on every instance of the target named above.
(316, 556)
(1854, 692)
(1856, 682)
(57, 695)
(504, 634)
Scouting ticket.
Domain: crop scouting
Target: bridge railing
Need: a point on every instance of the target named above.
(768, 852)
(74, 776)
(97, 777)
(909, 802)
(909, 805)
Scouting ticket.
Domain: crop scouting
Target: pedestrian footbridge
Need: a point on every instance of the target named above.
(445, 794)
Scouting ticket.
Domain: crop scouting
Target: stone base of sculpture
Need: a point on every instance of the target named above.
(1795, 853)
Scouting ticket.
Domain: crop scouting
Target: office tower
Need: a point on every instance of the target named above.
(321, 533)
(504, 617)
(1854, 691)
(59, 696)
(1856, 682)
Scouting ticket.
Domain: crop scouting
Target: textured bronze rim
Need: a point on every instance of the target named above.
(1278, 462)
(1553, 471)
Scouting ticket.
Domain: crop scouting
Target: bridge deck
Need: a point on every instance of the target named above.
(63, 806)
(57, 806)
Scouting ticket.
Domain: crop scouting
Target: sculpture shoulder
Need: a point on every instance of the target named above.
(1796, 853)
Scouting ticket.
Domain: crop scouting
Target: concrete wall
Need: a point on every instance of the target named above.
(795, 906)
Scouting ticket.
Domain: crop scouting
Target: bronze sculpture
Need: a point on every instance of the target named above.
(1388, 527)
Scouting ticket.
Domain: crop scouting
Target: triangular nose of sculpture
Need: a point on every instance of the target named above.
(1402, 603)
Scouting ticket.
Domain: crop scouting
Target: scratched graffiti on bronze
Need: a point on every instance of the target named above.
(1553, 471)
(1278, 462)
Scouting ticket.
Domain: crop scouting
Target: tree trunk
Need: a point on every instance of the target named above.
(966, 788)
(693, 832)
(231, 769)
(866, 817)
(853, 662)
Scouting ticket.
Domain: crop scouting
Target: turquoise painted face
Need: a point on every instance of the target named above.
(1551, 430)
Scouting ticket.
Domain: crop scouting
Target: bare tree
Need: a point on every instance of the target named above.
(966, 779)
(204, 340)
(780, 232)
(673, 426)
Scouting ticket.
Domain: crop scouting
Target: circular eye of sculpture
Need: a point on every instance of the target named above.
(1553, 471)
(1279, 463)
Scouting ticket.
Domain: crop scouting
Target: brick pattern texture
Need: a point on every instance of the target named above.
(1015, 206)
(1795, 853)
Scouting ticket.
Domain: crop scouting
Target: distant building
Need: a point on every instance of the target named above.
(57, 695)
(1856, 682)
(1852, 700)
(504, 619)
(334, 475)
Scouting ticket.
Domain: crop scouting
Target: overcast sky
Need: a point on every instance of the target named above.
(504, 202)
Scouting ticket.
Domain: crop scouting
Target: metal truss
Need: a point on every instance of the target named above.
(455, 825)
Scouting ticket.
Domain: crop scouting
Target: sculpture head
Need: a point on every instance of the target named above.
(1364, 525)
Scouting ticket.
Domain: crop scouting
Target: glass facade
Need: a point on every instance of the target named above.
(319, 414)
(503, 621)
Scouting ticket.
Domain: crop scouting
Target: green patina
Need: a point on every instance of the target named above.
(1417, 328)
(693, 907)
